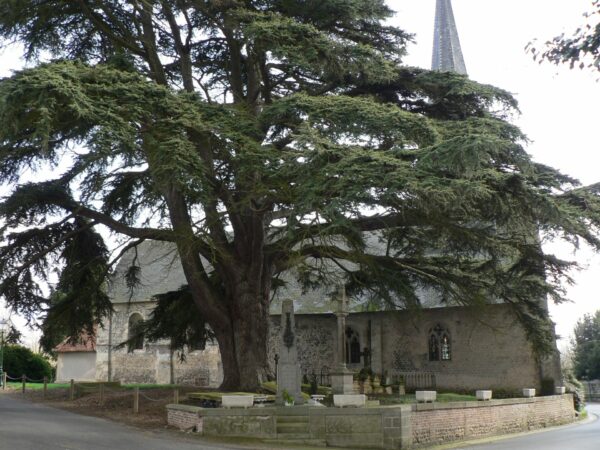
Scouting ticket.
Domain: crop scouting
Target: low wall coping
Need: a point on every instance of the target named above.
(185, 408)
(487, 403)
(388, 409)
(293, 411)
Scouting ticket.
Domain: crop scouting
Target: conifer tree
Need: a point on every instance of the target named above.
(259, 137)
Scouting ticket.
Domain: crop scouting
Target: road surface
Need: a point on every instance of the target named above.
(31, 426)
(572, 437)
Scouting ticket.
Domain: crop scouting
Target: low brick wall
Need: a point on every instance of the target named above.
(393, 427)
(184, 417)
(436, 423)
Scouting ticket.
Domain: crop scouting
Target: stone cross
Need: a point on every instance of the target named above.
(341, 378)
(289, 375)
(341, 313)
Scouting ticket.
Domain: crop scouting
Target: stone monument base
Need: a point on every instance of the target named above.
(342, 382)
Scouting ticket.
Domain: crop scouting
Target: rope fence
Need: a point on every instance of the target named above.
(11, 378)
(105, 391)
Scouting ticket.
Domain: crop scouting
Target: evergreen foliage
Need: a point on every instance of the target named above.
(19, 360)
(259, 137)
(13, 337)
(586, 347)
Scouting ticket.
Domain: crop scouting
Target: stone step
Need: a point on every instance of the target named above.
(292, 419)
(293, 428)
(298, 441)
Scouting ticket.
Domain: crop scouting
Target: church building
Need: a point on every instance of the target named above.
(442, 346)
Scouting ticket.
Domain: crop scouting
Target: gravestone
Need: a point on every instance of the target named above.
(289, 375)
(341, 378)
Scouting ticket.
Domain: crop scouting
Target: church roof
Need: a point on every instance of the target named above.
(85, 343)
(160, 271)
(447, 54)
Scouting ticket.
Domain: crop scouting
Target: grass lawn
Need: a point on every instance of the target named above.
(410, 398)
(35, 386)
(86, 386)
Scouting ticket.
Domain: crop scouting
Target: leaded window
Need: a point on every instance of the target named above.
(440, 347)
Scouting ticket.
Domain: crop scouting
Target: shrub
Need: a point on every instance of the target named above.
(19, 360)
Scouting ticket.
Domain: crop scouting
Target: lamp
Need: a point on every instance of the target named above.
(3, 330)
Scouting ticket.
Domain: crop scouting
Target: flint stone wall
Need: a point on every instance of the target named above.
(154, 363)
(489, 349)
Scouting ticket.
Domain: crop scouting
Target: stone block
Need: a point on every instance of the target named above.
(342, 382)
(426, 396)
(483, 395)
(528, 393)
(560, 390)
(356, 400)
(237, 401)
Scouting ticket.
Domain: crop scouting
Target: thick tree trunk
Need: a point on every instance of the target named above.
(243, 345)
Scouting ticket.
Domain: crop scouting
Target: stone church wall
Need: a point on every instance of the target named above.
(154, 363)
(488, 347)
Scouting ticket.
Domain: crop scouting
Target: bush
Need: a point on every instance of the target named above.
(19, 360)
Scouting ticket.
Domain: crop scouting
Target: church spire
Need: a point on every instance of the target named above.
(447, 55)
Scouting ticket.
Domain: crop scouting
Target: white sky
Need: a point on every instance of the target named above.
(559, 106)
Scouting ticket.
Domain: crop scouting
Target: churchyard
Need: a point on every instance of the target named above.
(356, 410)
(340, 416)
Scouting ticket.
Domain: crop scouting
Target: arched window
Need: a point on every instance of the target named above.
(352, 346)
(440, 348)
(434, 348)
(135, 335)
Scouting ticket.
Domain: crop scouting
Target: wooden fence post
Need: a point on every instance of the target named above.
(101, 394)
(23, 379)
(136, 400)
(72, 390)
(45, 387)
(176, 396)
(4, 380)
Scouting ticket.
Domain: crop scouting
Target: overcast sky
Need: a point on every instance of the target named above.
(559, 106)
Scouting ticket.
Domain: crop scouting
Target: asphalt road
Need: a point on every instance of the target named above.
(584, 436)
(31, 426)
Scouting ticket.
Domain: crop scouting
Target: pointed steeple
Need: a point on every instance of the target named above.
(447, 55)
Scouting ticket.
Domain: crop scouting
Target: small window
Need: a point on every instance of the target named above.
(135, 333)
(440, 348)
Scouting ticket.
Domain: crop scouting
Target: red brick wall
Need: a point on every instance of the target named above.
(441, 423)
(181, 417)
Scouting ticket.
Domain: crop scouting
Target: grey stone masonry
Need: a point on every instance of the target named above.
(447, 54)
(289, 374)
(341, 377)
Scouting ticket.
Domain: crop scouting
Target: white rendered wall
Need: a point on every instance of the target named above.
(78, 366)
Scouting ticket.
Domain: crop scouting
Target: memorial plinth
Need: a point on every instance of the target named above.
(289, 375)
